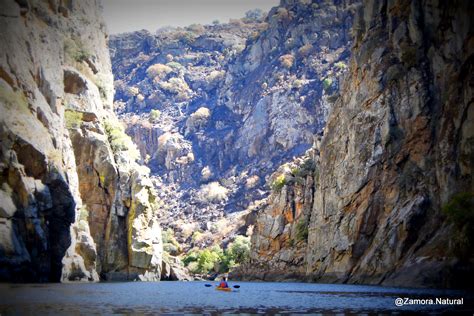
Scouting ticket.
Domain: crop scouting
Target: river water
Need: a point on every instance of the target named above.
(143, 298)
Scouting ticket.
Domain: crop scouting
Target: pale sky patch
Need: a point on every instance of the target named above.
(133, 15)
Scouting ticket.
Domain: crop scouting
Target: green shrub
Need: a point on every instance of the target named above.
(170, 244)
(215, 259)
(155, 115)
(340, 65)
(460, 211)
(192, 256)
(75, 50)
(197, 235)
(193, 267)
(73, 119)
(306, 168)
(239, 249)
(291, 242)
(327, 82)
(207, 260)
(278, 183)
(302, 230)
(119, 141)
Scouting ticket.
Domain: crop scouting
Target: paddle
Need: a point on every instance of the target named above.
(209, 285)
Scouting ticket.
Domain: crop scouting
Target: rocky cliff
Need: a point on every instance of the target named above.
(215, 109)
(392, 179)
(74, 203)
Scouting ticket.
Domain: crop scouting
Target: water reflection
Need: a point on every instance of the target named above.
(193, 298)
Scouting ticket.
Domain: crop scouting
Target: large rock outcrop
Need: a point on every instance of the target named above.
(74, 202)
(397, 149)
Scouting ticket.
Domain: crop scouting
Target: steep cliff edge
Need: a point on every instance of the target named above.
(74, 203)
(397, 148)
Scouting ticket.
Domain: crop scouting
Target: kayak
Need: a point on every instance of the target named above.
(225, 289)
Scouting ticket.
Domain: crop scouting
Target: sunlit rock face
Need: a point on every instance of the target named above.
(229, 103)
(75, 205)
(397, 149)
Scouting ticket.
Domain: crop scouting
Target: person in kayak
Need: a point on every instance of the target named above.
(224, 283)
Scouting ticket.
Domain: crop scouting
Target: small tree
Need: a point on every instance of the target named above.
(254, 14)
(240, 249)
(207, 260)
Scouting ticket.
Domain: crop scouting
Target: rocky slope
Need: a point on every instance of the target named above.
(397, 149)
(215, 109)
(74, 204)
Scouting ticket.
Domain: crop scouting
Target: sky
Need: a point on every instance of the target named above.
(133, 15)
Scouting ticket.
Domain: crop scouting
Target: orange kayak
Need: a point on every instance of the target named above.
(225, 289)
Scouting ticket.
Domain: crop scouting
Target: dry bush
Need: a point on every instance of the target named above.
(287, 60)
(305, 50)
(158, 70)
(213, 193)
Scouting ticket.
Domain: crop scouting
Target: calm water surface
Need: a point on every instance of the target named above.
(136, 298)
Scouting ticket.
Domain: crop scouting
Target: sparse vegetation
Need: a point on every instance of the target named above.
(155, 115)
(175, 66)
(119, 141)
(175, 85)
(302, 230)
(198, 119)
(284, 15)
(196, 28)
(215, 76)
(158, 71)
(215, 259)
(73, 119)
(197, 235)
(305, 50)
(306, 168)
(75, 50)
(170, 244)
(279, 183)
(298, 83)
(327, 82)
(460, 211)
(254, 15)
(340, 65)
(213, 193)
(287, 60)
(13, 99)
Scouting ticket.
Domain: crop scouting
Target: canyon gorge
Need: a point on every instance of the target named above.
(333, 140)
